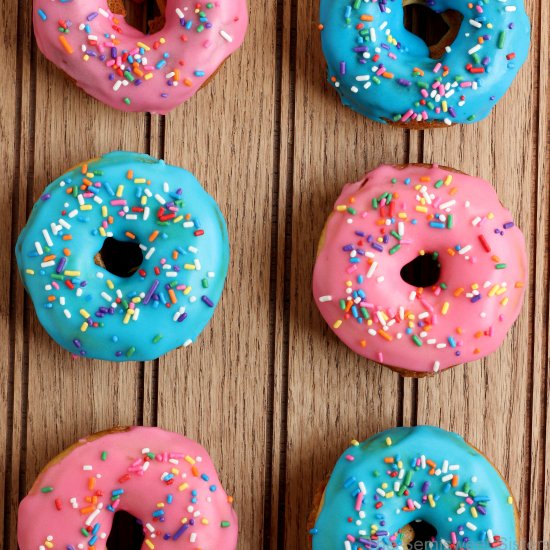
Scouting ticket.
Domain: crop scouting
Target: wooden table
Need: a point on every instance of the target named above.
(268, 389)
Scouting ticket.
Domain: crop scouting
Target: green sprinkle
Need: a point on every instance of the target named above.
(225, 524)
(365, 312)
(450, 221)
(352, 210)
(127, 100)
(438, 184)
(395, 234)
(375, 202)
(205, 283)
(84, 532)
(395, 249)
(342, 304)
(501, 39)
(157, 338)
(131, 352)
(501, 266)
(46, 489)
(104, 455)
(417, 340)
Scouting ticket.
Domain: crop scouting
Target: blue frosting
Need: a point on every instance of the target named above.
(131, 197)
(385, 72)
(375, 484)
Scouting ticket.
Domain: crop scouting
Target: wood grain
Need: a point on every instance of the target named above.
(267, 388)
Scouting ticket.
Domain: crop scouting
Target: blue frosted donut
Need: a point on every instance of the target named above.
(124, 257)
(385, 72)
(386, 485)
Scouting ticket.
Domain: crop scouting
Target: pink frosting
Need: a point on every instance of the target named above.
(357, 282)
(92, 45)
(159, 472)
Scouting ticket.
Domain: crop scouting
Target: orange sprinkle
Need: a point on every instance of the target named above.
(130, 235)
(68, 48)
(49, 258)
(153, 236)
(67, 251)
(385, 335)
(130, 174)
(366, 17)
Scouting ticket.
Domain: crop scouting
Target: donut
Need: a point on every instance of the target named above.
(420, 484)
(124, 258)
(388, 74)
(420, 268)
(163, 482)
(128, 70)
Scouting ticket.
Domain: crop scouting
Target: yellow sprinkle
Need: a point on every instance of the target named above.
(341, 208)
(84, 314)
(388, 441)
(422, 209)
(104, 211)
(72, 273)
(160, 504)
(490, 215)
(127, 317)
(29, 271)
(178, 219)
(444, 106)
(431, 501)
(448, 179)
(510, 500)
(204, 521)
(102, 232)
(119, 191)
(140, 180)
(183, 486)
(149, 544)
(48, 544)
(190, 267)
(189, 459)
(390, 494)
(355, 443)
(148, 76)
(338, 324)
(473, 511)
(188, 290)
(144, 46)
(86, 207)
(84, 327)
(493, 290)
(504, 301)
(445, 308)
(110, 284)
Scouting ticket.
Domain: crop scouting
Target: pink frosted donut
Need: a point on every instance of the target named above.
(131, 71)
(420, 268)
(164, 480)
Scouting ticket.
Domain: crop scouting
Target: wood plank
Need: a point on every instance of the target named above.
(539, 527)
(11, 128)
(217, 390)
(333, 396)
(68, 399)
(490, 401)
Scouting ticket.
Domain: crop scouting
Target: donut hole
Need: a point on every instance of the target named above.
(126, 533)
(418, 535)
(121, 258)
(437, 30)
(140, 14)
(422, 272)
